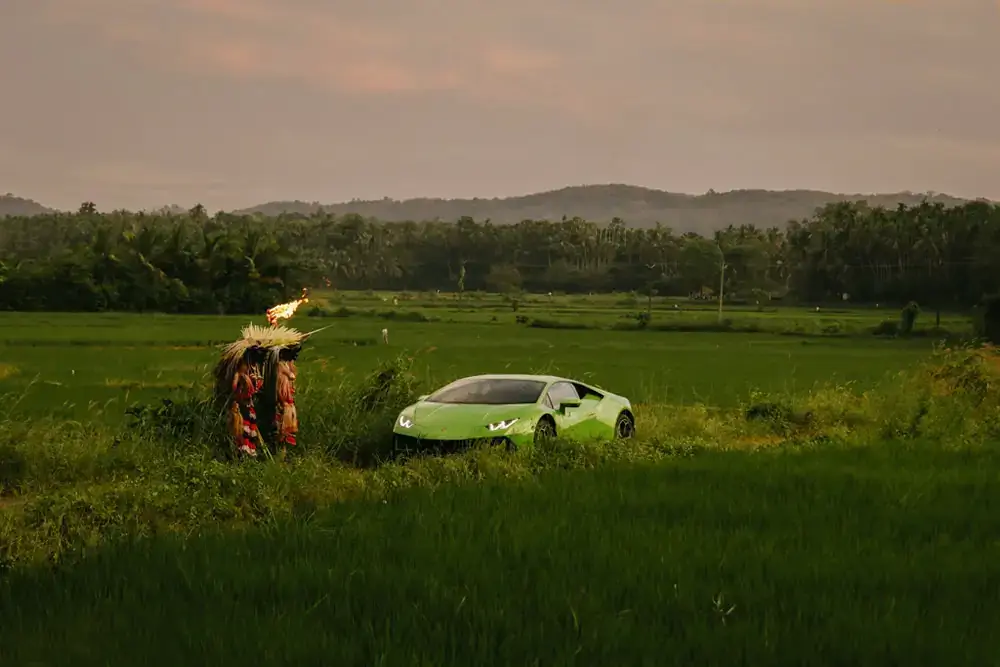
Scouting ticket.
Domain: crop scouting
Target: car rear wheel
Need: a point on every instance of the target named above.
(545, 430)
(624, 426)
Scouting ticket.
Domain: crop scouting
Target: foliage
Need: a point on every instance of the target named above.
(902, 462)
(908, 317)
(75, 485)
(123, 261)
(989, 324)
(191, 422)
(232, 263)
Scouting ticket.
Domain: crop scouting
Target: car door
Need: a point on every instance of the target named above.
(590, 425)
(568, 419)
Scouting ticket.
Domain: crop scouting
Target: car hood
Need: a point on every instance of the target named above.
(453, 415)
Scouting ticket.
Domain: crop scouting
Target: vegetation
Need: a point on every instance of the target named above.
(18, 206)
(866, 515)
(92, 367)
(741, 558)
(121, 261)
(804, 478)
(644, 206)
(938, 257)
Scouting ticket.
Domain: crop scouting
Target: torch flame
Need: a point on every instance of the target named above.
(283, 311)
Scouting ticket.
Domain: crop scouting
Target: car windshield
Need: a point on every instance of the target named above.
(482, 391)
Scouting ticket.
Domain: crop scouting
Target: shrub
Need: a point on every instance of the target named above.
(553, 324)
(988, 326)
(354, 422)
(189, 423)
(886, 328)
(404, 316)
(908, 317)
(12, 468)
(320, 311)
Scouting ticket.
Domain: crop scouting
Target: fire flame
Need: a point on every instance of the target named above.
(283, 311)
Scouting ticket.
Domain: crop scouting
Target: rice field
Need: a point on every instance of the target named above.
(863, 535)
(92, 366)
(866, 558)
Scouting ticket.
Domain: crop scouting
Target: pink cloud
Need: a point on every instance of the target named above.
(261, 39)
(678, 61)
(250, 11)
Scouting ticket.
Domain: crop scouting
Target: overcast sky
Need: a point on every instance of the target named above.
(140, 103)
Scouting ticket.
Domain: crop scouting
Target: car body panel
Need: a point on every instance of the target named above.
(593, 418)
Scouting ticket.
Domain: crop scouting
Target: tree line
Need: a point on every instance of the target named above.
(942, 257)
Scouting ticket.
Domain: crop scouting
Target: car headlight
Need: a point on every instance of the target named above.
(405, 421)
(501, 426)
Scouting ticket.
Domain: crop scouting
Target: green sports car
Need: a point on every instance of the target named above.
(514, 410)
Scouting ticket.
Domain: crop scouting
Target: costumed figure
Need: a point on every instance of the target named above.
(247, 383)
(286, 420)
(256, 376)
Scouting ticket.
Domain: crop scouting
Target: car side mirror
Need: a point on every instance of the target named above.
(423, 397)
(569, 403)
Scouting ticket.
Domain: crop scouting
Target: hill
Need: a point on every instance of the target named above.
(17, 206)
(637, 206)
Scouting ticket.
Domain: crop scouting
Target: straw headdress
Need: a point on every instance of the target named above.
(262, 345)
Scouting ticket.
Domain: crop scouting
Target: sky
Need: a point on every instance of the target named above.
(231, 103)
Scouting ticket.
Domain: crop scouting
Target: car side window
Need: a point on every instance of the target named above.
(561, 391)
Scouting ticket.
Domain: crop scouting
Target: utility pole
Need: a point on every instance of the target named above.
(722, 280)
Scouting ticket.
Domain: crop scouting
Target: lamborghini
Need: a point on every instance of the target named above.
(513, 410)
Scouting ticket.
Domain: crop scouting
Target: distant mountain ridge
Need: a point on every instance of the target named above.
(637, 206)
(18, 206)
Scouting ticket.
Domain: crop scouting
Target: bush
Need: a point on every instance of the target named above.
(553, 324)
(189, 423)
(988, 326)
(886, 328)
(12, 469)
(320, 311)
(908, 317)
(404, 316)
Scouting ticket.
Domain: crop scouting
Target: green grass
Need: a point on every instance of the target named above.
(861, 556)
(855, 527)
(84, 366)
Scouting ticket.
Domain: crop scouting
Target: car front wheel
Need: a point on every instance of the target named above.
(545, 430)
(624, 426)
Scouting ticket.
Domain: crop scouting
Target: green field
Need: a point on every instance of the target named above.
(82, 365)
(867, 558)
(857, 526)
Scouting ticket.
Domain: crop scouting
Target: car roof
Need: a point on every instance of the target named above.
(517, 376)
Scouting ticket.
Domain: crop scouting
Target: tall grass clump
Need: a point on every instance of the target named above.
(353, 422)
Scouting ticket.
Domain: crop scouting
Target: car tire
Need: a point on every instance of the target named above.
(624, 426)
(545, 430)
